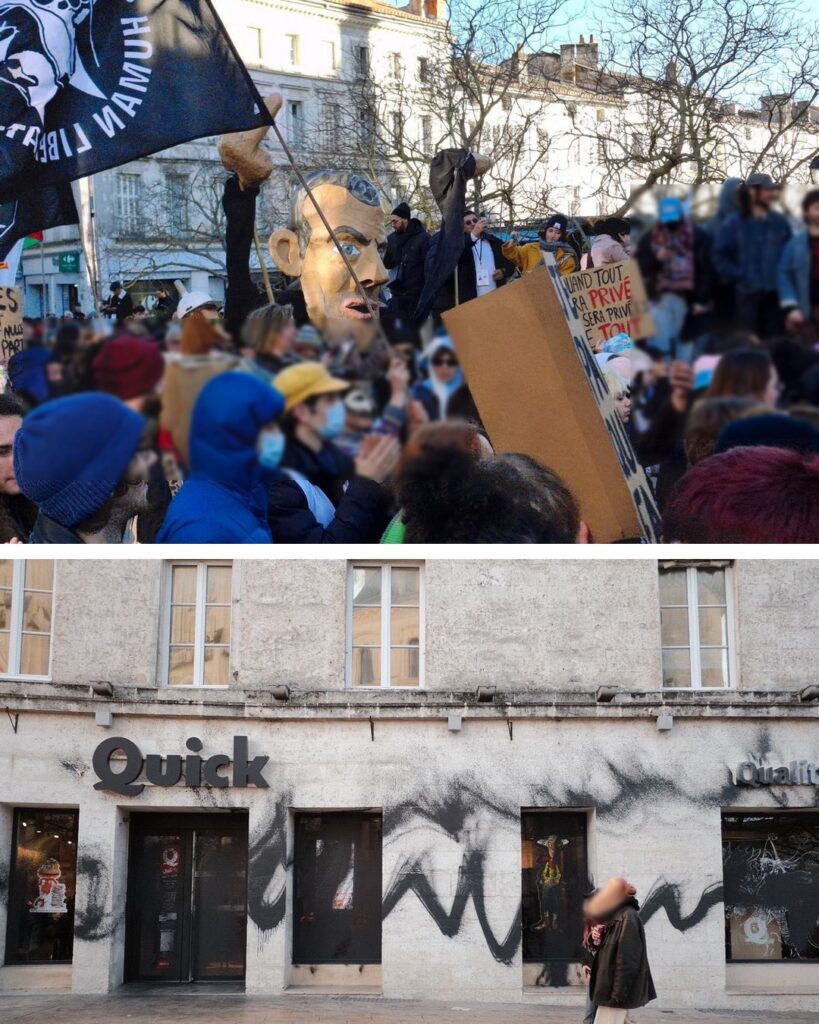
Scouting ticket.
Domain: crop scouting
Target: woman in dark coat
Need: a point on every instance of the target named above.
(620, 975)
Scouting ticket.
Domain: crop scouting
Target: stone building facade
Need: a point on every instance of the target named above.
(389, 766)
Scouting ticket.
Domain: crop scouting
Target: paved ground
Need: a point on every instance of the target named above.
(197, 1007)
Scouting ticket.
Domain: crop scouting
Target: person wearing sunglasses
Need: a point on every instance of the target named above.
(482, 266)
(444, 381)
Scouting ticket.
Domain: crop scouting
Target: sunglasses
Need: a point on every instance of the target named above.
(471, 220)
(445, 362)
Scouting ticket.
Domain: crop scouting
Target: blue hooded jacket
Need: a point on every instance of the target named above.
(224, 500)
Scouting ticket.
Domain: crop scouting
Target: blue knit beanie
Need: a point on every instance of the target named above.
(70, 454)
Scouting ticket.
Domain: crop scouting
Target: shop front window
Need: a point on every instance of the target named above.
(554, 878)
(771, 878)
(42, 885)
(337, 888)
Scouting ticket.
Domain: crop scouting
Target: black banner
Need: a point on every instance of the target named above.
(448, 174)
(36, 211)
(90, 84)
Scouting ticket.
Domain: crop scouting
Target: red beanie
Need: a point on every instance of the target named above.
(128, 367)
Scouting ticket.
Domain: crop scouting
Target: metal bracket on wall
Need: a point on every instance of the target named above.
(14, 719)
(509, 727)
(372, 729)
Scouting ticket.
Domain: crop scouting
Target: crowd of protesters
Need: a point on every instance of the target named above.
(163, 422)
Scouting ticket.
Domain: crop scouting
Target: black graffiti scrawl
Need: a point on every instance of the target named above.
(267, 854)
(92, 922)
(410, 877)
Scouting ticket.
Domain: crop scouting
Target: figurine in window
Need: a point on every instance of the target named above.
(549, 880)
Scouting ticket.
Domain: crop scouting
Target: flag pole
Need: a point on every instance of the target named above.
(265, 276)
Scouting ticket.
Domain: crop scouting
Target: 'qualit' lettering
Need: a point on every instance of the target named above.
(171, 769)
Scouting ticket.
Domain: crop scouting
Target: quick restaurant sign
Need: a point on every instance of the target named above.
(120, 774)
(795, 773)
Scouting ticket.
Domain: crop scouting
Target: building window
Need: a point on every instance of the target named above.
(178, 186)
(366, 127)
(328, 127)
(329, 48)
(362, 61)
(26, 604)
(292, 50)
(574, 201)
(426, 134)
(770, 864)
(43, 877)
(696, 625)
(253, 43)
(396, 65)
(385, 625)
(129, 205)
(295, 110)
(198, 627)
(337, 888)
(423, 69)
(554, 877)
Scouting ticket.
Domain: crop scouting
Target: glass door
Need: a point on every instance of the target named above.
(219, 905)
(187, 898)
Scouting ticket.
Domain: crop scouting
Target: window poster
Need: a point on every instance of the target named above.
(43, 882)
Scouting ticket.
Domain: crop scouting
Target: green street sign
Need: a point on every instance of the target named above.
(69, 263)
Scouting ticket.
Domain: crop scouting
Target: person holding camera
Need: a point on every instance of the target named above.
(481, 269)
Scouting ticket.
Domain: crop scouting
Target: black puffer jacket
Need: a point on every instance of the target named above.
(406, 253)
(620, 974)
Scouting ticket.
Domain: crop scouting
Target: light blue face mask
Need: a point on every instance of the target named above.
(271, 449)
(334, 424)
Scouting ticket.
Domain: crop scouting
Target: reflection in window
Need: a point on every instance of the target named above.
(696, 627)
(43, 879)
(771, 878)
(554, 877)
(199, 630)
(26, 600)
(337, 888)
(385, 625)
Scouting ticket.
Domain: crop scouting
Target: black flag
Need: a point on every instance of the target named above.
(35, 211)
(448, 174)
(90, 84)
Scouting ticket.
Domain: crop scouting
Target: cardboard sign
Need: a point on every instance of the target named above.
(609, 300)
(539, 391)
(11, 323)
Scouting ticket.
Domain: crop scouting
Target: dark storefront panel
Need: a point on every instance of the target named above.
(337, 888)
(187, 898)
(771, 877)
(42, 885)
(554, 877)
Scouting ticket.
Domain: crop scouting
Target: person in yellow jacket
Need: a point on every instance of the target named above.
(552, 234)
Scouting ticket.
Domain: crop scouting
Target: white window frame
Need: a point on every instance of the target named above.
(254, 37)
(293, 50)
(694, 628)
(386, 606)
(16, 625)
(129, 204)
(199, 623)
